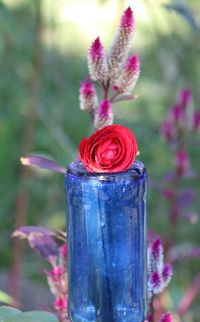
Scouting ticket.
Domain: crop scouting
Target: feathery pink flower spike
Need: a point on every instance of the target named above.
(156, 282)
(127, 19)
(166, 318)
(159, 275)
(196, 121)
(167, 274)
(129, 76)
(121, 45)
(97, 61)
(88, 96)
(104, 114)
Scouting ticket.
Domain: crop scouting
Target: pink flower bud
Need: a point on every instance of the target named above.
(167, 130)
(182, 162)
(104, 114)
(121, 45)
(157, 248)
(185, 98)
(177, 115)
(130, 74)
(56, 273)
(166, 318)
(61, 304)
(155, 282)
(104, 108)
(196, 121)
(96, 50)
(88, 96)
(97, 61)
(149, 318)
(127, 19)
(167, 274)
(63, 250)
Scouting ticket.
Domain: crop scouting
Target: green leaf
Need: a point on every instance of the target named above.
(5, 298)
(7, 312)
(33, 317)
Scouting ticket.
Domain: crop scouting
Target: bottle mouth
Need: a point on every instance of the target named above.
(77, 168)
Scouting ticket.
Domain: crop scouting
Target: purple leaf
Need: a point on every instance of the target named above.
(42, 163)
(24, 232)
(44, 244)
(125, 98)
(40, 239)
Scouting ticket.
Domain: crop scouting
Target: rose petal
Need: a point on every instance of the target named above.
(111, 149)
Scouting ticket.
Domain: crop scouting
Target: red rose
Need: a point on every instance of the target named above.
(111, 149)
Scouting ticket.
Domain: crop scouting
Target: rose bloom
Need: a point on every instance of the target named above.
(111, 149)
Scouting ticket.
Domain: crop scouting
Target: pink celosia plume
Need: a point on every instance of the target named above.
(185, 98)
(133, 64)
(177, 115)
(104, 114)
(88, 96)
(61, 303)
(159, 275)
(127, 19)
(129, 76)
(157, 248)
(104, 108)
(196, 121)
(97, 61)
(155, 280)
(182, 162)
(167, 130)
(121, 45)
(166, 318)
(96, 49)
(167, 274)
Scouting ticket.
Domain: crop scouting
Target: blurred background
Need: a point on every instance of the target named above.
(43, 48)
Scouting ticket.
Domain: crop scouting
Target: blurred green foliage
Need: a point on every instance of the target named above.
(168, 44)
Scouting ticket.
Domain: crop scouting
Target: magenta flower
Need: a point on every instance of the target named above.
(96, 50)
(159, 275)
(104, 114)
(61, 304)
(97, 61)
(121, 45)
(133, 64)
(166, 318)
(185, 98)
(156, 282)
(63, 250)
(196, 121)
(182, 162)
(56, 273)
(129, 76)
(157, 249)
(104, 108)
(177, 115)
(167, 130)
(167, 274)
(127, 19)
(88, 96)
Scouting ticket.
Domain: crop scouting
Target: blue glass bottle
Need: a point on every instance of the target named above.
(106, 235)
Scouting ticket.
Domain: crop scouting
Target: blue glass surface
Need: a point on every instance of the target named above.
(106, 234)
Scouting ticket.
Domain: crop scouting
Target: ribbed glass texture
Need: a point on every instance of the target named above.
(106, 235)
